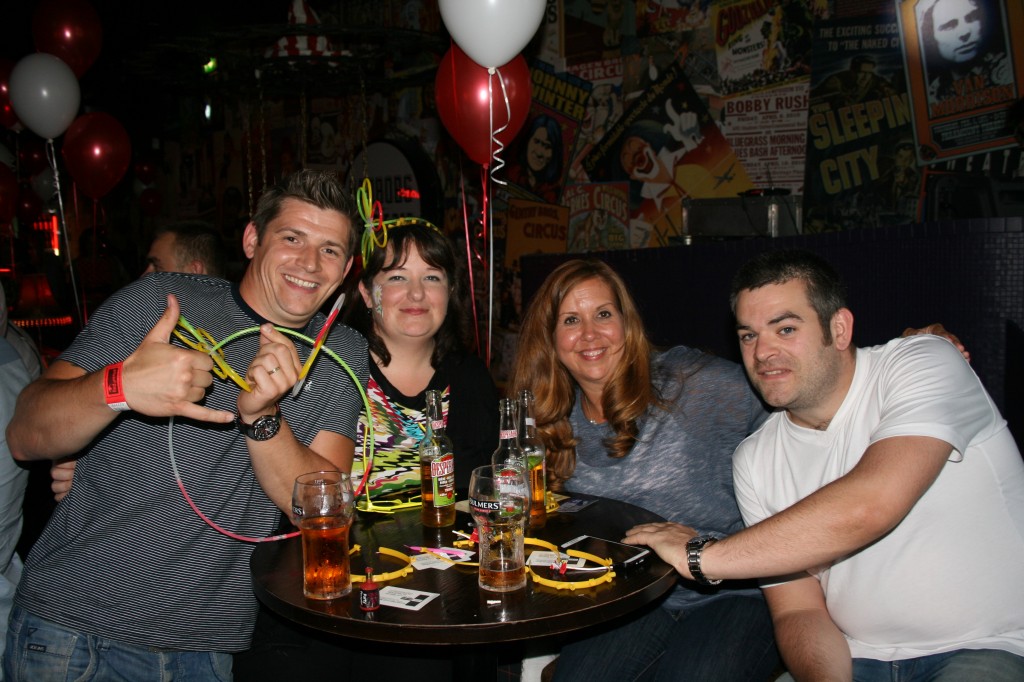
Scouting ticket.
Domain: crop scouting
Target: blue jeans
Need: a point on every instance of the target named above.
(727, 640)
(989, 665)
(41, 651)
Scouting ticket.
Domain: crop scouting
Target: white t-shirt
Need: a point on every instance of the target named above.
(951, 574)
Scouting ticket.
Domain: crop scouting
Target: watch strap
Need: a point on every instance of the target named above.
(694, 549)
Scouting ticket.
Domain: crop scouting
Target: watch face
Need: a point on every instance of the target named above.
(266, 427)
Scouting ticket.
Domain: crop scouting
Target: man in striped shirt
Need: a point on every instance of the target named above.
(127, 582)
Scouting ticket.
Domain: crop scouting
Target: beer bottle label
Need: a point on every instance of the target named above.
(442, 472)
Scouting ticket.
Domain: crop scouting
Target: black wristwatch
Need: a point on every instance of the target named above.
(694, 548)
(264, 428)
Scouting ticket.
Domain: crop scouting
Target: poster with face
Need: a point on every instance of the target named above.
(538, 158)
(964, 73)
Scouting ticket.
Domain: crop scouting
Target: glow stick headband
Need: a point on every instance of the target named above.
(375, 232)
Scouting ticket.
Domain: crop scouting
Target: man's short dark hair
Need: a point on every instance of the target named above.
(196, 240)
(825, 290)
(323, 189)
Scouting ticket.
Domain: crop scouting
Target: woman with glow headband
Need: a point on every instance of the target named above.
(411, 308)
(412, 312)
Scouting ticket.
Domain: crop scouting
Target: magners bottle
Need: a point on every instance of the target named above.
(533, 450)
(509, 455)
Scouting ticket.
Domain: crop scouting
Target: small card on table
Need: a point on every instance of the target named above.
(401, 598)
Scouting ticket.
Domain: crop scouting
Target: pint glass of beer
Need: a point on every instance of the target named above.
(322, 505)
(499, 501)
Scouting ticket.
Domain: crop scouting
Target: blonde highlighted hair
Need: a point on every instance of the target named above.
(628, 392)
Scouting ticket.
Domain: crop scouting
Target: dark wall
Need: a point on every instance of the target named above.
(967, 274)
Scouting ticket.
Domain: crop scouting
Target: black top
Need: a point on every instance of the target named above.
(470, 401)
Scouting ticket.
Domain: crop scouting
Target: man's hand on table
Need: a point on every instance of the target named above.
(668, 540)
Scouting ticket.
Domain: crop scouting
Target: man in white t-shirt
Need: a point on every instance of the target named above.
(884, 499)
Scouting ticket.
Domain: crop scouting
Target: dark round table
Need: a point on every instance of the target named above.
(462, 613)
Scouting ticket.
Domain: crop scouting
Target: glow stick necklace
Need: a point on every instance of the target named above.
(367, 442)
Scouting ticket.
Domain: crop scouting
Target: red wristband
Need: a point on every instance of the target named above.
(113, 389)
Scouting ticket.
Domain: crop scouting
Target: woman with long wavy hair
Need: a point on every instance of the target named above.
(656, 429)
(621, 399)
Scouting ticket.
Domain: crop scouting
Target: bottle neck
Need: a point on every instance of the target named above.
(435, 415)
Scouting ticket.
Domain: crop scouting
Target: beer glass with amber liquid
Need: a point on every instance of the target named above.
(437, 469)
(499, 502)
(322, 507)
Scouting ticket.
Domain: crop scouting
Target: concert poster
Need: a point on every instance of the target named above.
(598, 216)
(963, 72)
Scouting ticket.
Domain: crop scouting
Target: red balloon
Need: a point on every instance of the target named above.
(97, 151)
(8, 194)
(32, 155)
(8, 119)
(150, 201)
(70, 30)
(145, 171)
(29, 204)
(464, 104)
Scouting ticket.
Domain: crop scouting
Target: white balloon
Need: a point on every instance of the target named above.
(45, 94)
(492, 32)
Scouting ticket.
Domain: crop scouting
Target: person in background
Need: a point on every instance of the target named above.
(188, 246)
(20, 341)
(655, 429)
(126, 579)
(411, 308)
(15, 374)
(191, 247)
(884, 499)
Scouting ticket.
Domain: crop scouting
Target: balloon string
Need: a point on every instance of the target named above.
(488, 218)
(496, 145)
(51, 156)
(469, 259)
